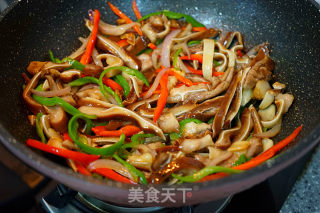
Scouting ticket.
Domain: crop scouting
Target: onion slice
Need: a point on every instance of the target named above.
(165, 51)
(48, 94)
(208, 52)
(155, 83)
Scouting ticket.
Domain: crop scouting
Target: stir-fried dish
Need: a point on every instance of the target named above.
(163, 99)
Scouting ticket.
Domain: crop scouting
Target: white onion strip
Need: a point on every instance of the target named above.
(208, 52)
(49, 94)
(166, 45)
(155, 83)
(110, 164)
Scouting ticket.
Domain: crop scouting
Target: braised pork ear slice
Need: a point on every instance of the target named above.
(205, 110)
(219, 119)
(103, 113)
(261, 69)
(246, 126)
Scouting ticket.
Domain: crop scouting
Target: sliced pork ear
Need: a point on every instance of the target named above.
(224, 140)
(173, 167)
(136, 105)
(257, 126)
(280, 110)
(219, 119)
(181, 93)
(113, 112)
(255, 147)
(246, 126)
(168, 123)
(111, 46)
(191, 145)
(181, 110)
(205, 110)
(220, 84)
(89, 101)
(58, 118)
(236, 103)
(261, 67)
(33, 106)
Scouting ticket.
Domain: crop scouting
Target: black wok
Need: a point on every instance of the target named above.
(28, 29)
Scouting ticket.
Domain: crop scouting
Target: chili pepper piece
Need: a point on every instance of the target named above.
(136, 10)
(123, 16)
(128, 130)
(86, 57)
(78, 156)
(112, 84)
(162, 98)
(110, 174)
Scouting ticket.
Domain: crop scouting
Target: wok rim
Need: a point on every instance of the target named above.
(97, 188)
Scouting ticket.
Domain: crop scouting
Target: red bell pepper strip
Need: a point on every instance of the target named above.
(124, 17)
(152, 46)
(123, 43)
(199, 29)
(109, 173)
(86, 57)
(78, 156)
(260, 158)
(196, 57)
(81, 168)
(112, 84)
(128, 130)
(162, 98)
(136, 10)
(66, 136)
(239, 53)
(199, 72)
(181, 78)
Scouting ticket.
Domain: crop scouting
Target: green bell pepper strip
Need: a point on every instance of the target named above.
(205, 172)
(73, 126)
(184, 122)
(136, 174)
(60, 102)
(123, 83)
(242, 159)
(135, 141)
(174, 15)
(133, 72)
(216, 63)
(74, 63)
(174, 136)
(146, 50)
(103, 87)
(82, 81)
(127, 70)
(175, 59)
(194, 42)
(149, 15)
(211, 120)
(39, 128)
(52, 58)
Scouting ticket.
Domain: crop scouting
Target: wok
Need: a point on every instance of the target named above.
(30, 28)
